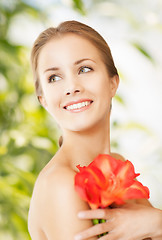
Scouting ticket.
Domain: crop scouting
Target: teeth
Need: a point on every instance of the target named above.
(78, 105)
(83, 104)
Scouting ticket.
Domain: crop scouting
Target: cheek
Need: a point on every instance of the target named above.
(103, 89)
(52, 97)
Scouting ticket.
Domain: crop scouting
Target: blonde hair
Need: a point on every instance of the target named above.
(76, 28)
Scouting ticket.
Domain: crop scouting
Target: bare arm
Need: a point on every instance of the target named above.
(59, 206)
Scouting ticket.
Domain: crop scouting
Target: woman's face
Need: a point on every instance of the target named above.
(77, 90)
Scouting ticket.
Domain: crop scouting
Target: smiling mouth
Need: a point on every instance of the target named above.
(77, 106)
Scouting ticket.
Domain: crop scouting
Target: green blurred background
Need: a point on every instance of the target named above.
(29, 136)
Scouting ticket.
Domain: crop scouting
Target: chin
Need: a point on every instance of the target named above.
(82, 127)
(77, 128)
(85, 123)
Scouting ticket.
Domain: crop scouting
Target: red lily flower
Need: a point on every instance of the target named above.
(107, 180)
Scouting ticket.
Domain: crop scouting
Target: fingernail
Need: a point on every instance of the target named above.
(81, 214)
(77, 237)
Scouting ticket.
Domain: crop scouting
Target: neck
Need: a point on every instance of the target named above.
(82, 147)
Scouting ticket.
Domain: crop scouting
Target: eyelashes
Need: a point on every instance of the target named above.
(82, 70)
(53, 78)
(85, 69)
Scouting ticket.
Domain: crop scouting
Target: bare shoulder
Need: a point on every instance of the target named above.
(55, 204)
(48, 186)
(118, 156)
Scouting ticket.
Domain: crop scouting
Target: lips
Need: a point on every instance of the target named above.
(78, 104)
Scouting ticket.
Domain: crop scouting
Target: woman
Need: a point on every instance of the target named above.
(75, 79)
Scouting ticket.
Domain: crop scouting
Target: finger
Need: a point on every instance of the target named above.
(95, 230)
(110, 236)
(96, 214)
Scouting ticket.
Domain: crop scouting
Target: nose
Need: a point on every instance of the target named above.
(73, 87)
(69, 92)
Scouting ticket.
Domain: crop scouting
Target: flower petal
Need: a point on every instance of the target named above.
(107, 180)
(105, 163)
(126, 173)
(136, 191)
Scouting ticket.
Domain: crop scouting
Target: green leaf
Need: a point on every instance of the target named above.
(119, 99)
(135, 125)
(78, 5)
(143, 50)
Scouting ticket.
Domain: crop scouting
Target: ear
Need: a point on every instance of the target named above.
(114, 85)
(42, 101)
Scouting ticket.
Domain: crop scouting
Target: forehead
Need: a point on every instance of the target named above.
(68, 46)
(69, 39)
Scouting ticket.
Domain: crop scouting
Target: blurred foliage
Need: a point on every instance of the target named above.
(28, 136)
(142, 50)
(78, 5)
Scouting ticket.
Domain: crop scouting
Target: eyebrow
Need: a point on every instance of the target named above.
(75, 63)
(82, 60)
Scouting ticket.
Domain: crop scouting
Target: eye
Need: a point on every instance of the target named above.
(85, 69)
(53, 78)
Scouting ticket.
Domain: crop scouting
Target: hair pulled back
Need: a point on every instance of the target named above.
(76, 28)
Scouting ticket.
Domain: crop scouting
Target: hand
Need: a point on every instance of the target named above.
(127, 222)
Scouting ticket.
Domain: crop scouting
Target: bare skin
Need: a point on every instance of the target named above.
(76, 72)
(54, 196)
(49, 184)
